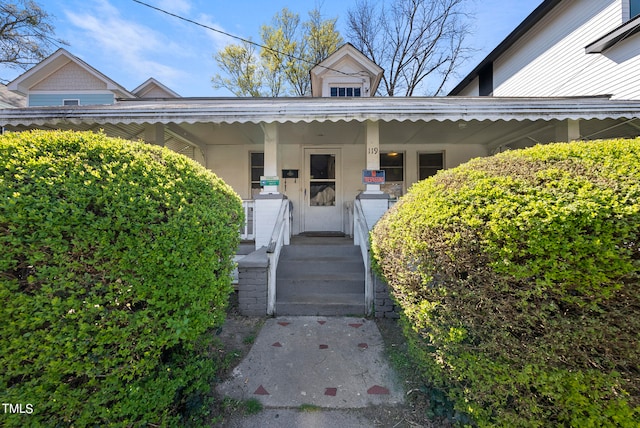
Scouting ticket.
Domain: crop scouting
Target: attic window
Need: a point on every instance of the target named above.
(345, 92)
(71, 102)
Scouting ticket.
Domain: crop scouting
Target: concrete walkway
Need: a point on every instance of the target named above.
(331, 363)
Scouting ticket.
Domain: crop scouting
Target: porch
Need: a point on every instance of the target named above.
(324, 274)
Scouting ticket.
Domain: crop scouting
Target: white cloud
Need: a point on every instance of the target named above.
(175, 6)
(219, 40)
(134, 45)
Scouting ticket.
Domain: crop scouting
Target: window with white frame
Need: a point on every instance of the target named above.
(392, 163)
(429, 164)
(256, 161)
(341, 91)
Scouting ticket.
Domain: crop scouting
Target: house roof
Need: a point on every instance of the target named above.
(152, 88)
(60, 58)
(531, 20)
(9, 99)
(625, 31)
(295, 110)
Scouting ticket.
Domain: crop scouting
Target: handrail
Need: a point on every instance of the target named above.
(278, 229)
(280, 236)
(248, 230)
(361, 238)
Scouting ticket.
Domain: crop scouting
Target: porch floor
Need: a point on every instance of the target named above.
(320, 276)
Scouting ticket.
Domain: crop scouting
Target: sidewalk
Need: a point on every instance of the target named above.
(314, 362)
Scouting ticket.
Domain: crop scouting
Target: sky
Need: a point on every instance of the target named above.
(129, 42)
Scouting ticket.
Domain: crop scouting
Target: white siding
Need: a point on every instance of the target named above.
(551, 61)
(231, 163)
(472, 89)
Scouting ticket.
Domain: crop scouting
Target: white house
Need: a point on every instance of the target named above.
(332, 162)
(314, 149)
(565, 48)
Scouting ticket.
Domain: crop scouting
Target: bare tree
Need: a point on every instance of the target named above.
(418, 43)
(26, 34)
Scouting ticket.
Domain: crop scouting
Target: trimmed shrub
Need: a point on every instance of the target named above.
(518, 277)
(116, 260)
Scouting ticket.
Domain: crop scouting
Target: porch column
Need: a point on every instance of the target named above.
(374, 201)
(154, 134)
(568, 130)
(270, 131)
(267, 203)
(372, 140)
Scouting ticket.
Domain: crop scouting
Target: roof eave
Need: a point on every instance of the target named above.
(301, 110)
(623, 32)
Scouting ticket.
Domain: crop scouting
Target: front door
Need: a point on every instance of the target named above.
(323, 191)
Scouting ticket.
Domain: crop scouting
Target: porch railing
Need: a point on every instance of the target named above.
(248, 231)
(361, 238)
(280, 236)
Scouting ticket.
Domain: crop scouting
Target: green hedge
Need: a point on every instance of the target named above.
(518, 277)
(116, 260)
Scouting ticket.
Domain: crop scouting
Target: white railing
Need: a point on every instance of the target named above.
(361, 238)
(280, 236)
(248, 232)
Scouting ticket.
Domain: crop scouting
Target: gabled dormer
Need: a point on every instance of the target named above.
(154, 89)
(64, 79)
(345, 73)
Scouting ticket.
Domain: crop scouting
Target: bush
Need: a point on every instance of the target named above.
(518, 278)
(117, 259)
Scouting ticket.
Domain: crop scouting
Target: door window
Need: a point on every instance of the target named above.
(322, 180)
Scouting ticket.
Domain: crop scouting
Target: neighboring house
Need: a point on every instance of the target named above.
(63, 79)
(565, 48)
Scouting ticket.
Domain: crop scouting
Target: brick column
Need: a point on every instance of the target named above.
(252, 283)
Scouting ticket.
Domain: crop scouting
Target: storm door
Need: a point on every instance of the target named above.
(323, 192)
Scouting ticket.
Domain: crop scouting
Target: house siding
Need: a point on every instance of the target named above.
(230, 161)
(70, 77)
(57, 99)
(550, 60)
(472, 89)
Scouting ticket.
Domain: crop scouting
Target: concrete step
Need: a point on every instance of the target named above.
(319, 309)
(317, 269)
(317, 252)
(297, 287)
(326, 280)
(324, 303)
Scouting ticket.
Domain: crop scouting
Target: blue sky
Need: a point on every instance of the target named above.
(130, 42)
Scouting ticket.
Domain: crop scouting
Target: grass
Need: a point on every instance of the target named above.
(309, 408)
(251, 406)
